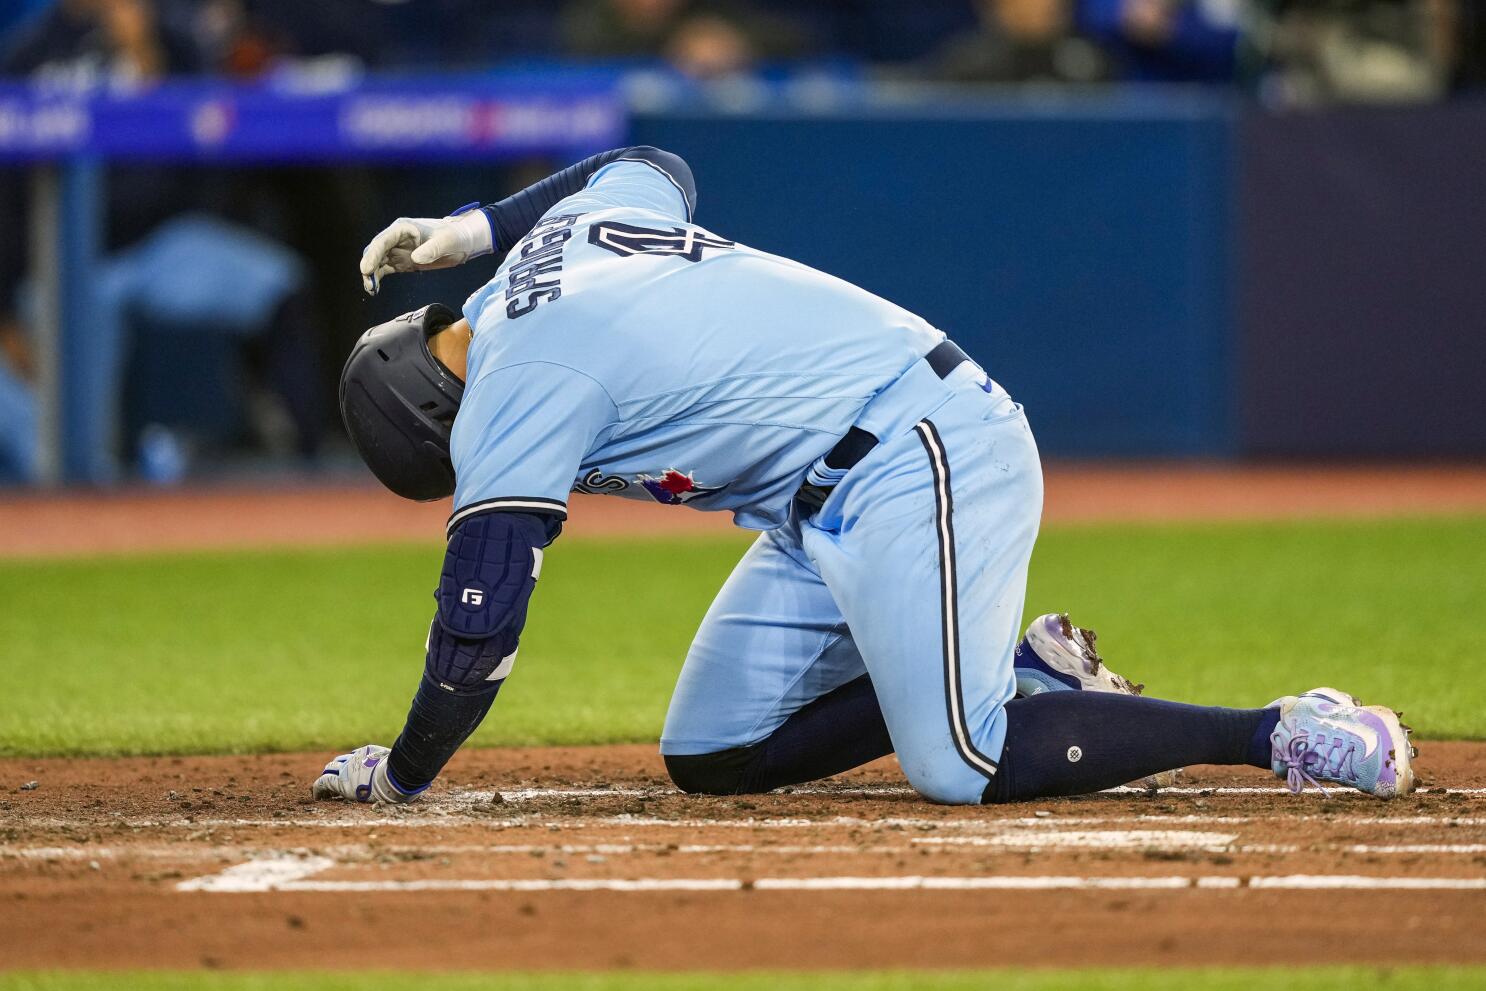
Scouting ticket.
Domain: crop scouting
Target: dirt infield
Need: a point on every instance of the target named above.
(132, 521)
(586, 858)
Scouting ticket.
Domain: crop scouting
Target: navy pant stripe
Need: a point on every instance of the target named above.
(949, 599)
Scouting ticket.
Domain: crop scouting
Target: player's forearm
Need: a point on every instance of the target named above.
(438, 724)
(490, 570)
(514, 217)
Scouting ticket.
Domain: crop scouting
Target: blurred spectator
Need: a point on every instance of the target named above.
(1166, 40)
(706, 46)
(702, 40)
(1373, 51)
(234, 43)
(621, 28)
(175, 274)
(1021, 41)
(88, 42)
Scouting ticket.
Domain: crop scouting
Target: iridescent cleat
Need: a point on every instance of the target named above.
(1327, 735)
(1056, 656)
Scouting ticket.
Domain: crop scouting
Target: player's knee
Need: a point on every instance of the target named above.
(726, 772)
(944, 783)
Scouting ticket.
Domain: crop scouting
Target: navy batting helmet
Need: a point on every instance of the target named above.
(398, 403)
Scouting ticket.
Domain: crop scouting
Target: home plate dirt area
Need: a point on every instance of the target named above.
(587, 858)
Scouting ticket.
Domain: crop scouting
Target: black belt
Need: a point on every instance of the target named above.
(858, 443)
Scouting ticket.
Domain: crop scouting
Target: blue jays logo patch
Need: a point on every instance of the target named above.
(673, 488)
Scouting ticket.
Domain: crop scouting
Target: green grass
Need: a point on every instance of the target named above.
(1245, 979)
(321, 649)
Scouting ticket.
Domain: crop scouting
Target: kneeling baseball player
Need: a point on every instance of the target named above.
(621, 349)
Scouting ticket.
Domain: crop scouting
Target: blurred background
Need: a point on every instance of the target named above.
(1192, 229)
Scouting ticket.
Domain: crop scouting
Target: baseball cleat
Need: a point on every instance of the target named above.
(1056, 656)
(1327, 735)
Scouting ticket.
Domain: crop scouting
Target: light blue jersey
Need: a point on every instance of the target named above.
(621, 349)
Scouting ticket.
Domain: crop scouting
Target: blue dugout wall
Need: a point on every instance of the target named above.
(1081, 251)
(1158, 274)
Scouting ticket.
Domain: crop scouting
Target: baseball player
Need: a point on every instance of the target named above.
(622, 349)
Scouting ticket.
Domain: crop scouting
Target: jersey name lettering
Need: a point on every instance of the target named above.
(537, 270)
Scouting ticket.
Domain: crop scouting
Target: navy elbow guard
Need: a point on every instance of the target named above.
(490, 568)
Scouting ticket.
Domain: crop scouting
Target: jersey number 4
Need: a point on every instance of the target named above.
(625, 240)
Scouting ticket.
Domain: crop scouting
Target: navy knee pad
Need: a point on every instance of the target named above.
(490, 569)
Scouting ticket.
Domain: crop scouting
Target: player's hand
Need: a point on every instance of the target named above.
(359, 776)
(418, 244)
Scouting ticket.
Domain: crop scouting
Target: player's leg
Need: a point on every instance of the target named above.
(925, 546)
(1069, 743)
(1056, 656)
(927, 559)
(773, 691)
(932, 585)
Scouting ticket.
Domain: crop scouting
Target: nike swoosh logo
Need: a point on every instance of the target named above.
(1366, 733)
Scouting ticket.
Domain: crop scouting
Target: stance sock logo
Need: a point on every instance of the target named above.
(1075, 754)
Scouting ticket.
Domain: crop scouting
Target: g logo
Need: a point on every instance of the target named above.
(472, 597)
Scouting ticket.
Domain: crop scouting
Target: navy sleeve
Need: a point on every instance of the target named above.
(490, 569)
(513, 217)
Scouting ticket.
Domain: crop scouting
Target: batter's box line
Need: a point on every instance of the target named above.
(461, 797)
(1041, 842)
(289, 872)
(354, 817)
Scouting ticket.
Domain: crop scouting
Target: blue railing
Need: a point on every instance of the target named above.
(475, 118)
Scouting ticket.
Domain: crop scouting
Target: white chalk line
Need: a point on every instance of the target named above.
(443, 821)
(1460, 848)
(1016, 838)
(1028, 841)
(1105, 839)
(473, 796)
(269, 873)
(296, 873)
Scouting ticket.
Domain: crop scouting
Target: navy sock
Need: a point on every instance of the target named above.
(1261, 752)
(838, 731)
(1074, 743)
(438, 723)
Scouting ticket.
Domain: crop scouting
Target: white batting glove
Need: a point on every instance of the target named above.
(359, 776)
(419, 244)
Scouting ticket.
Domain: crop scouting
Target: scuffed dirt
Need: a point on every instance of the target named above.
(91, 861)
